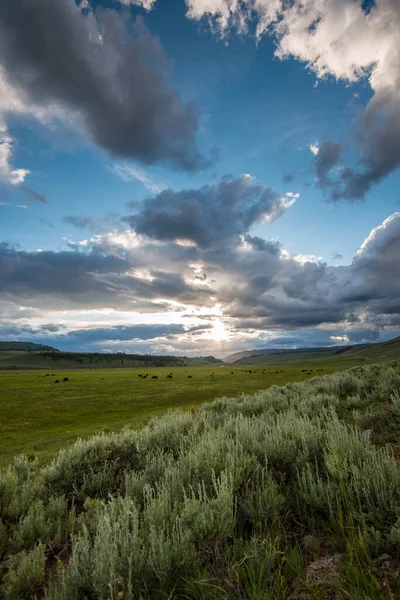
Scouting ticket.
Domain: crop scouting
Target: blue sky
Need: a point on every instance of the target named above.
(169, 141)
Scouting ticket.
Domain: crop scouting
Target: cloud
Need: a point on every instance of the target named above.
(102, 74)
(342, 39)
(102, 273)
(8, 174)
(32, 194)
(259, 290)
(213, 215)
(91, 338)
(130, 172)
(95, 224)
(326, 158)
(79, 222)
(146, 4)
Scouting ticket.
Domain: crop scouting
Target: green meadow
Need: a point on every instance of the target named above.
(289, 493)
(40, 416)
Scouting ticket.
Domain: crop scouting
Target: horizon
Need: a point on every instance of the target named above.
(205, 355)
(199, 178)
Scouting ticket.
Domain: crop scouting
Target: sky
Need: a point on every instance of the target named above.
(199, 177)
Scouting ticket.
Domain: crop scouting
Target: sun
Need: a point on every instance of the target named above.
(218, 331)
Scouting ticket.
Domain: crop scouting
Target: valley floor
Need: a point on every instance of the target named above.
(38, 416)
(290, 493)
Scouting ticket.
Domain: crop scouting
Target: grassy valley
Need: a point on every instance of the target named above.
(130, 485)
(293, 492)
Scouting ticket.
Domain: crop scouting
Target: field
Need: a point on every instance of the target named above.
(37, 415)
(293, 492)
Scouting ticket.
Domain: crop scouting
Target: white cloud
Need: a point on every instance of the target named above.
(314, 148)
(381, 237)
(12, 204)
(7, 173)
(146, 4)
(341, 39)
(128, 173)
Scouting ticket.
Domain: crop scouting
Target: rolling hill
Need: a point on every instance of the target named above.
(25, 347)
(34, 356)
(368, 352)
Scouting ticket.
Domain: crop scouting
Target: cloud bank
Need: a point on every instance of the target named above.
(191, 259)
(349, 40)
(104, 75)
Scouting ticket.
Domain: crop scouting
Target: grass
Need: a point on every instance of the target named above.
(39, 416)
(274, 495)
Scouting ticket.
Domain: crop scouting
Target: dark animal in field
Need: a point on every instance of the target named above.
(189, 377)
(53, 374)
(140, 375)
(154, 376)
(102, 379)
(232, 373)
(47, 375)
(250, 372)
(169, 376)
(145, 376)
(56, 381)
(66, 379)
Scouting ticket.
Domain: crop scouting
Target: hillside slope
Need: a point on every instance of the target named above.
(368, 352)
(25, 347)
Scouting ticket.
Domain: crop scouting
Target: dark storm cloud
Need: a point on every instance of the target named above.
(261, 245)
(122, 333)
(257, 286)
(213, 215)
(379, 154)
(379, 143)
(32, 194)
(310, 294)
(328, 157)
(90, 279)
(74, 274)
(113, 75)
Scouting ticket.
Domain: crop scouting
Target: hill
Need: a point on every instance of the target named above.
(368, 352)
(25, 347)
(50, 359)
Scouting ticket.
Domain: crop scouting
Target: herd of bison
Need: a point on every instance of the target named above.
(169, 376)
